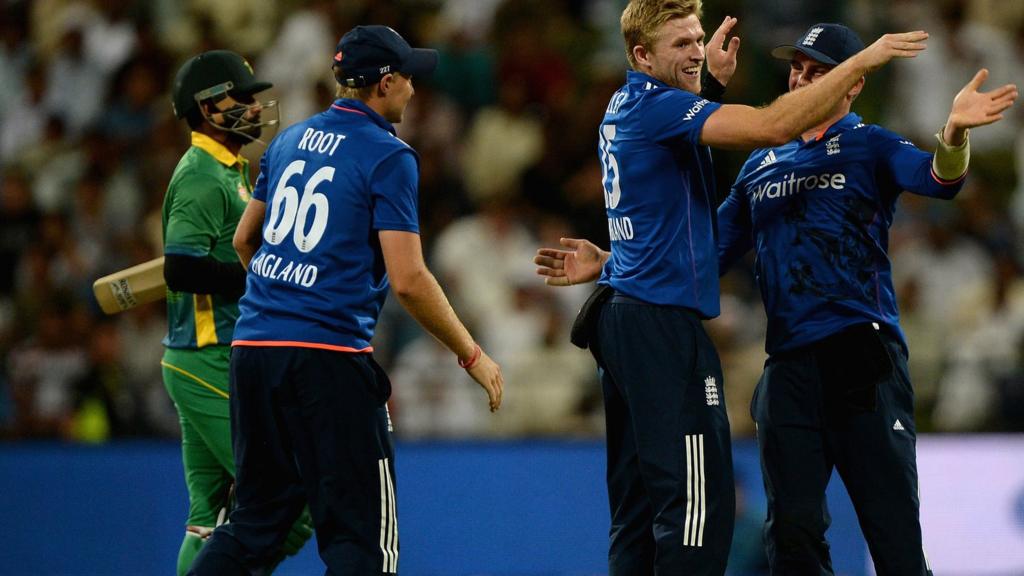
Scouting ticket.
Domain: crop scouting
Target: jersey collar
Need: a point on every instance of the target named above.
(845, 123)
(633, 77)
(353, 106)
(216, 149)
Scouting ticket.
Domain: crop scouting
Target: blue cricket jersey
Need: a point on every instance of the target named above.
(330, 184)
(659, 195)
(817, 215)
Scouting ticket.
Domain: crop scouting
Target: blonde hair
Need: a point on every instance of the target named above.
(642, 18)
(354, 93)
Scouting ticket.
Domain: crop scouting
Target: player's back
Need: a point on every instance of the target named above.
(318, 279)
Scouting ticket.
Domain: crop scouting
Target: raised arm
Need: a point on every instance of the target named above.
(721, 58)
(941, 175)
(419, 293)
(745, 127)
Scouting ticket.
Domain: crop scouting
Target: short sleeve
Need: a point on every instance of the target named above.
(669, 113)
(394, 189)
(195, 216)
(259, 191)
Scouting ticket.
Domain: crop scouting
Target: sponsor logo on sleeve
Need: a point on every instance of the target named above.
(695, 109)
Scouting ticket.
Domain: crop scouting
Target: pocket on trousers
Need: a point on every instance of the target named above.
(851, 365)
(382, 384)
(378, 385)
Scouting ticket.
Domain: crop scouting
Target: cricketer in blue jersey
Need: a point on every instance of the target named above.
(331, 227)
(817, 211)
(670, 483)
(836, 392)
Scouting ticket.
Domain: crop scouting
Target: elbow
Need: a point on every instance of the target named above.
(777, 128)
(239, 244)
(406, 286)
(776, 135)
(779, 139)
(174, 276)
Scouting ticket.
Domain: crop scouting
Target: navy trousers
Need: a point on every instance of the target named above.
(808, 422)
(308, 425)
(670, 480)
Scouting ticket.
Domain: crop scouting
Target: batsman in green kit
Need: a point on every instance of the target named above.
(205, 199)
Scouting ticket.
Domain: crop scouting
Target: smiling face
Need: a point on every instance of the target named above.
(676, 55)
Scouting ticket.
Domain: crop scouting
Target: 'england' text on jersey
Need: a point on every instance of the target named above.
(790, 185)
(319, 141)
(620, 228)
(270, 266)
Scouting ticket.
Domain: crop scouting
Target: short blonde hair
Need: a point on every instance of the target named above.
(354, 93)
(642, 18)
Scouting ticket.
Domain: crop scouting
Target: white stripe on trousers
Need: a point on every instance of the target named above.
(696, 511)
(388, 521)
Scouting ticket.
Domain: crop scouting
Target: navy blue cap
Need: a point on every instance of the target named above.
(827, 43)
(366, 54)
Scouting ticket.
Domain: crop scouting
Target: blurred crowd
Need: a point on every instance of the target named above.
(506, 132)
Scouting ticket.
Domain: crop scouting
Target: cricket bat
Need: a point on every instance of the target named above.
(128, 288)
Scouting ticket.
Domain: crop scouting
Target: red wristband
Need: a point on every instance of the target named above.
(467, 364)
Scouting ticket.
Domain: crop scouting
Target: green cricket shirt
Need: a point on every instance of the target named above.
(204, 202)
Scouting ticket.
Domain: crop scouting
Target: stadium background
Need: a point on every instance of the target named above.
(90, 481)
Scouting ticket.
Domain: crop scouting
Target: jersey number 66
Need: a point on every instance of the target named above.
(287, 209)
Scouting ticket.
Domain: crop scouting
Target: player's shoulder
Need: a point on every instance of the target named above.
(667, 97)
(760, 158)
(196, 167)
(876, 132)
(876, 136)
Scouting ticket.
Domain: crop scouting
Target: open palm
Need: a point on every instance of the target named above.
(582, 263)
(972, 108)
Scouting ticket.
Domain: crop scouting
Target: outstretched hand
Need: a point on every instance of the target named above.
(889, 46)
(972, 108)
(581, 264)
(721, 59)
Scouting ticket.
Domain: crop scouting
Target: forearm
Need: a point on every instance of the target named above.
(249, 232)
(954, 135)
(203, 275)
(952, 154)
(245, 251)
(426, 302)
(796, 112)
(711, 88)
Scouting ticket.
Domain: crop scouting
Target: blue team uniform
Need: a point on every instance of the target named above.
(817, 215)
(835, 391)
(661, 220)
(670, 483)
(335, 284)
(308, 402)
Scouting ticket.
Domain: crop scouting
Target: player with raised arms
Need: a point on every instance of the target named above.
(670, 482)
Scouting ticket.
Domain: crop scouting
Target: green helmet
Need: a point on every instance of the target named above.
(212, 74)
